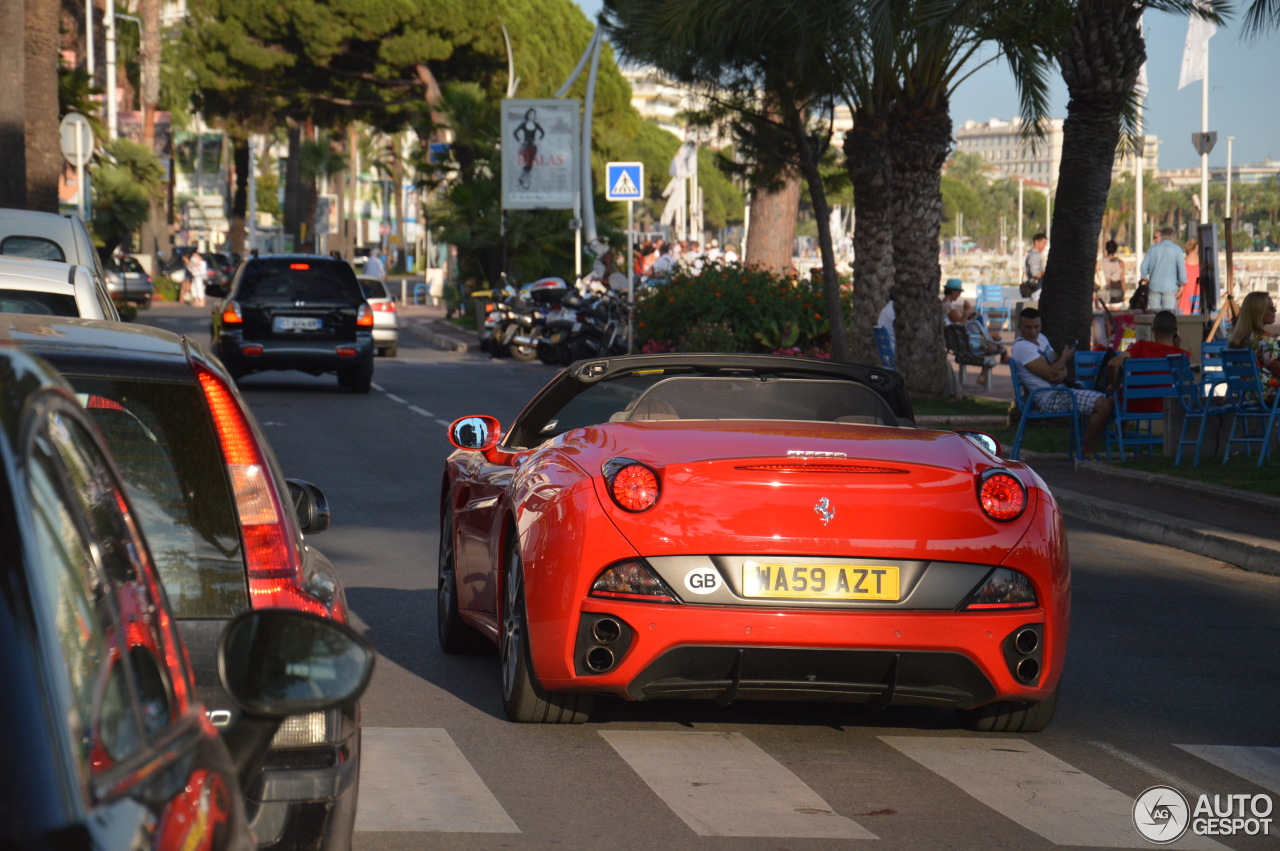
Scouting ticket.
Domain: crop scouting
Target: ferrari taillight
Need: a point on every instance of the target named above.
(632, 485)
(1003, 589)
(1003, 495)
(631, 580)
(231, 314)
(272, 561)
(364, 316)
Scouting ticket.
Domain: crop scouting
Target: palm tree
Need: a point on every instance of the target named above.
(40, 84)
(1100, 60)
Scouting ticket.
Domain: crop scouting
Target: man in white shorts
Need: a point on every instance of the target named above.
(1038, 366)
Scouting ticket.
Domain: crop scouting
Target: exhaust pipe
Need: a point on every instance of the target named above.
(606, 631)
(600, 659)
(1028, 670)
(524, 340)
(1026, 641)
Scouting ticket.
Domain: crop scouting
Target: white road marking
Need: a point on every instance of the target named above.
(444, 423)
(1257, 765)
(394, 398)
(416, 780)
(1184, 786)
(376, 386)
(1037, 790)
(418, 410)
(721, 784)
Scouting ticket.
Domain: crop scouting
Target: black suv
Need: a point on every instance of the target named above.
(295, 311)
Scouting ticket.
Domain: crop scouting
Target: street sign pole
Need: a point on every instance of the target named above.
(631, 273)
(625, 182)
(80, 196)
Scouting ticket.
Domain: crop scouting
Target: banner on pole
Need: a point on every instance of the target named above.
(540, 153)
(1195, 55)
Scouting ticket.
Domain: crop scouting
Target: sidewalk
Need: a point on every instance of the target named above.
(1228, 525)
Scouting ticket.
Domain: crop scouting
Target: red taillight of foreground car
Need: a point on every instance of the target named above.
(631, 580)
(632, 485)
(1003, 496)
(231, 314)
(270, 551)
(1003, 589)
(364, 316)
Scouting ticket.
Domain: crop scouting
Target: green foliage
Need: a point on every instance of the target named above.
(77, 94)
(733, 308)
(125, 181)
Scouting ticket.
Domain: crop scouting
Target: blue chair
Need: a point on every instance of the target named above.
(1244, 386)
(1140, 379)
(1027, 412)
(883, 347)
(1195, 406)
(1211, 366)
(1088, 365)
(993, 305)
(421, 290)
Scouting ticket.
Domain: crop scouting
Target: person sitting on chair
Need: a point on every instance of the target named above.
(1039, 366)
(1164, 327)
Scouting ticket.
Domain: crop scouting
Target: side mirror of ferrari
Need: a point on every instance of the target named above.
(983, 439)
(476, 433)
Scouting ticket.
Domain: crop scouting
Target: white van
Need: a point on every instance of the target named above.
(60, 239)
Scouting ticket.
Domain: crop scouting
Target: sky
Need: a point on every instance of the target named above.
(1243, 78)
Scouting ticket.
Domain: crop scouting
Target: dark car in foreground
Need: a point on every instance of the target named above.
(295, 311)
(736, 527)
(106, 742)
(227, 532)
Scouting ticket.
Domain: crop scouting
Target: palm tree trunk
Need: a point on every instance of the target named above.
(1100, 65)
(44, 155)
(919, 141)
(240, 191)
(822, 213)
(13, 109)
(149, 59)
(866, 157)
(770, 242)
(293, 186)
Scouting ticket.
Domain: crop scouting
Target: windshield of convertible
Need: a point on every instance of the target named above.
(640, 397)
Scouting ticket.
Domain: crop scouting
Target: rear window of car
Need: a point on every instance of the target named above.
(41, 304)
(34, 247)
(299, 280)
(373, 289)
(164, 444)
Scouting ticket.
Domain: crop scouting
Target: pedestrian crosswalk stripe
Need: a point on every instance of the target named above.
(1035, 789)
(414, 780)
(624, 185)
(1257, 765)
(721, 784)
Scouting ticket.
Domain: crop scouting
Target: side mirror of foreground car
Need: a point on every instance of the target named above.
(478, 433)
(276, 662)
(310, 505)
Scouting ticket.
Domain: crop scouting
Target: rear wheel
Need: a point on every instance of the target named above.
(523, 699)
(1008, 717)
(391, 350)
(357, 379)
(454, 635)
(524, 354)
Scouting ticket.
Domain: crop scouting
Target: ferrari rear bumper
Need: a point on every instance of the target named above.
(875, 677)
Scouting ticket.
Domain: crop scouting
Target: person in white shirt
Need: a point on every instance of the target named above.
(730, 255)
(373, 266)
(1039, 366)
(714, 254)
(885, 320)
(664, 265)
(198, 272)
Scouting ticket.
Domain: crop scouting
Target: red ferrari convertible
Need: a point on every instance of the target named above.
(749, 527)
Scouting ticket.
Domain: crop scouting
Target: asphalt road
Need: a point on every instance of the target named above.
(1173, 677)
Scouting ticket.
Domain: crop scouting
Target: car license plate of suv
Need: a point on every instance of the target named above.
(820, 581)
(297, 323)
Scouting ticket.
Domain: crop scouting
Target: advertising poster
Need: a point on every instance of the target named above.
(540, 143)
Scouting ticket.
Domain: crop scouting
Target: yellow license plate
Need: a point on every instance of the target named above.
(820, 581)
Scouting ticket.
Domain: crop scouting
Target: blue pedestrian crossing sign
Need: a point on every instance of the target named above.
(624, 181)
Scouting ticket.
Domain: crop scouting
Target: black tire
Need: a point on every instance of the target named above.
(1007, 717)
(453, 633)
(391, 350)
(357, 379)
(524, 354)
(523, 699)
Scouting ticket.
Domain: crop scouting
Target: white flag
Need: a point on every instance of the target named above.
(685, 163)
(1195, 56)
(1141, 88)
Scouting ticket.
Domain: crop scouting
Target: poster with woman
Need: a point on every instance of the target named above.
(540, 165)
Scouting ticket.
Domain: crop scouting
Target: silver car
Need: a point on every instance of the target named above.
(52, 289)
(386, 321)
(49, 236)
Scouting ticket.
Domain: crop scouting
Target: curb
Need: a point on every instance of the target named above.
(1251, 553)
(946, 421)
(1219, 493)
(442, 339)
